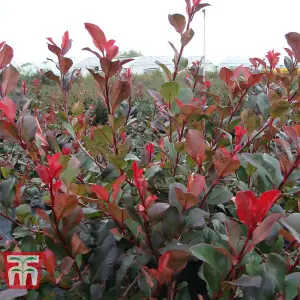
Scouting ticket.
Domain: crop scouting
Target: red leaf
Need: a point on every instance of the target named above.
(112, 52)
(99, 79)
(43, 173)
(52, 76)
(42, 214)
(163, 261)
(52, 234)
(77, 245)
(110, 68)
(118, 214)
(187, 37)
(64, 204)
(90, 50)
(289, 52)
(8, 131)
(263, 230)
(1, 44)
(291, 133)
(293, 39)
(178, 22)
(66, 43)
(227, 76)
(242, 71)
(100, 191)
(9, 108)
(6, 55)
(116, 187)
(66, 264)
(197, 184)
(10, 77)
(186, 200)
(244, 201)
(195, 144)
(225, 165)
(254, 79)
(97, 34)
(120, 91)
(54, 165)
(54, 49)
(51, 41)
(49, 261)
(264, 204)
(73, 220)
(65, 64)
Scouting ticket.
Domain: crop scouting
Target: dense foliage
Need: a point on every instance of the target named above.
(206, 208)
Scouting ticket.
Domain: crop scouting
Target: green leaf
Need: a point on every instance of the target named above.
(206, 253)
(219, 195)
(7, 191)
(23, 212)
(77, 109)
(195, 218)
(171, 223)
(167, 72)
(69, 128)
(279, 108)
(117, 161)
(125, 265)
(263, 104)
(267, 166)
(102, 261)
(291, 283)
(249, 120)
(183, 63)
(131, 157)
(292, 222)
(169, 91)
(211, 277)
(28, 244)
(152, 171)
(11, 294)
(145, 285)
(71, 172)
(246, 281)
(275, 269)
(185, 95)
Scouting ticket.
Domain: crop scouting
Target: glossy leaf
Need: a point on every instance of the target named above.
(64, 205)
(178, 22)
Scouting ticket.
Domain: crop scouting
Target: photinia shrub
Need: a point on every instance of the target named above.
(208, 209)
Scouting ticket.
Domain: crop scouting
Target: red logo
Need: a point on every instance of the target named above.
(23, 269)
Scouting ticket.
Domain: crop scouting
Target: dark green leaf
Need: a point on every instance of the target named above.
(275, 269)
(219, 195)
(125, 265)
(171, 223)
(291, 283)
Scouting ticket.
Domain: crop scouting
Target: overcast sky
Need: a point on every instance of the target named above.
(234, 27)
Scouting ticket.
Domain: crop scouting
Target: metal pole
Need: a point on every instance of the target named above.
(204, 38)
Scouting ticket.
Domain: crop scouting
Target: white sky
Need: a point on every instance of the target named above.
(234, 27)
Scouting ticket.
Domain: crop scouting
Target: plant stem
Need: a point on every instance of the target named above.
(239, 259)
(130, 287)
(61, 237)
(287, 175)
(19, 224)
(237, 106)
(293, 266)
